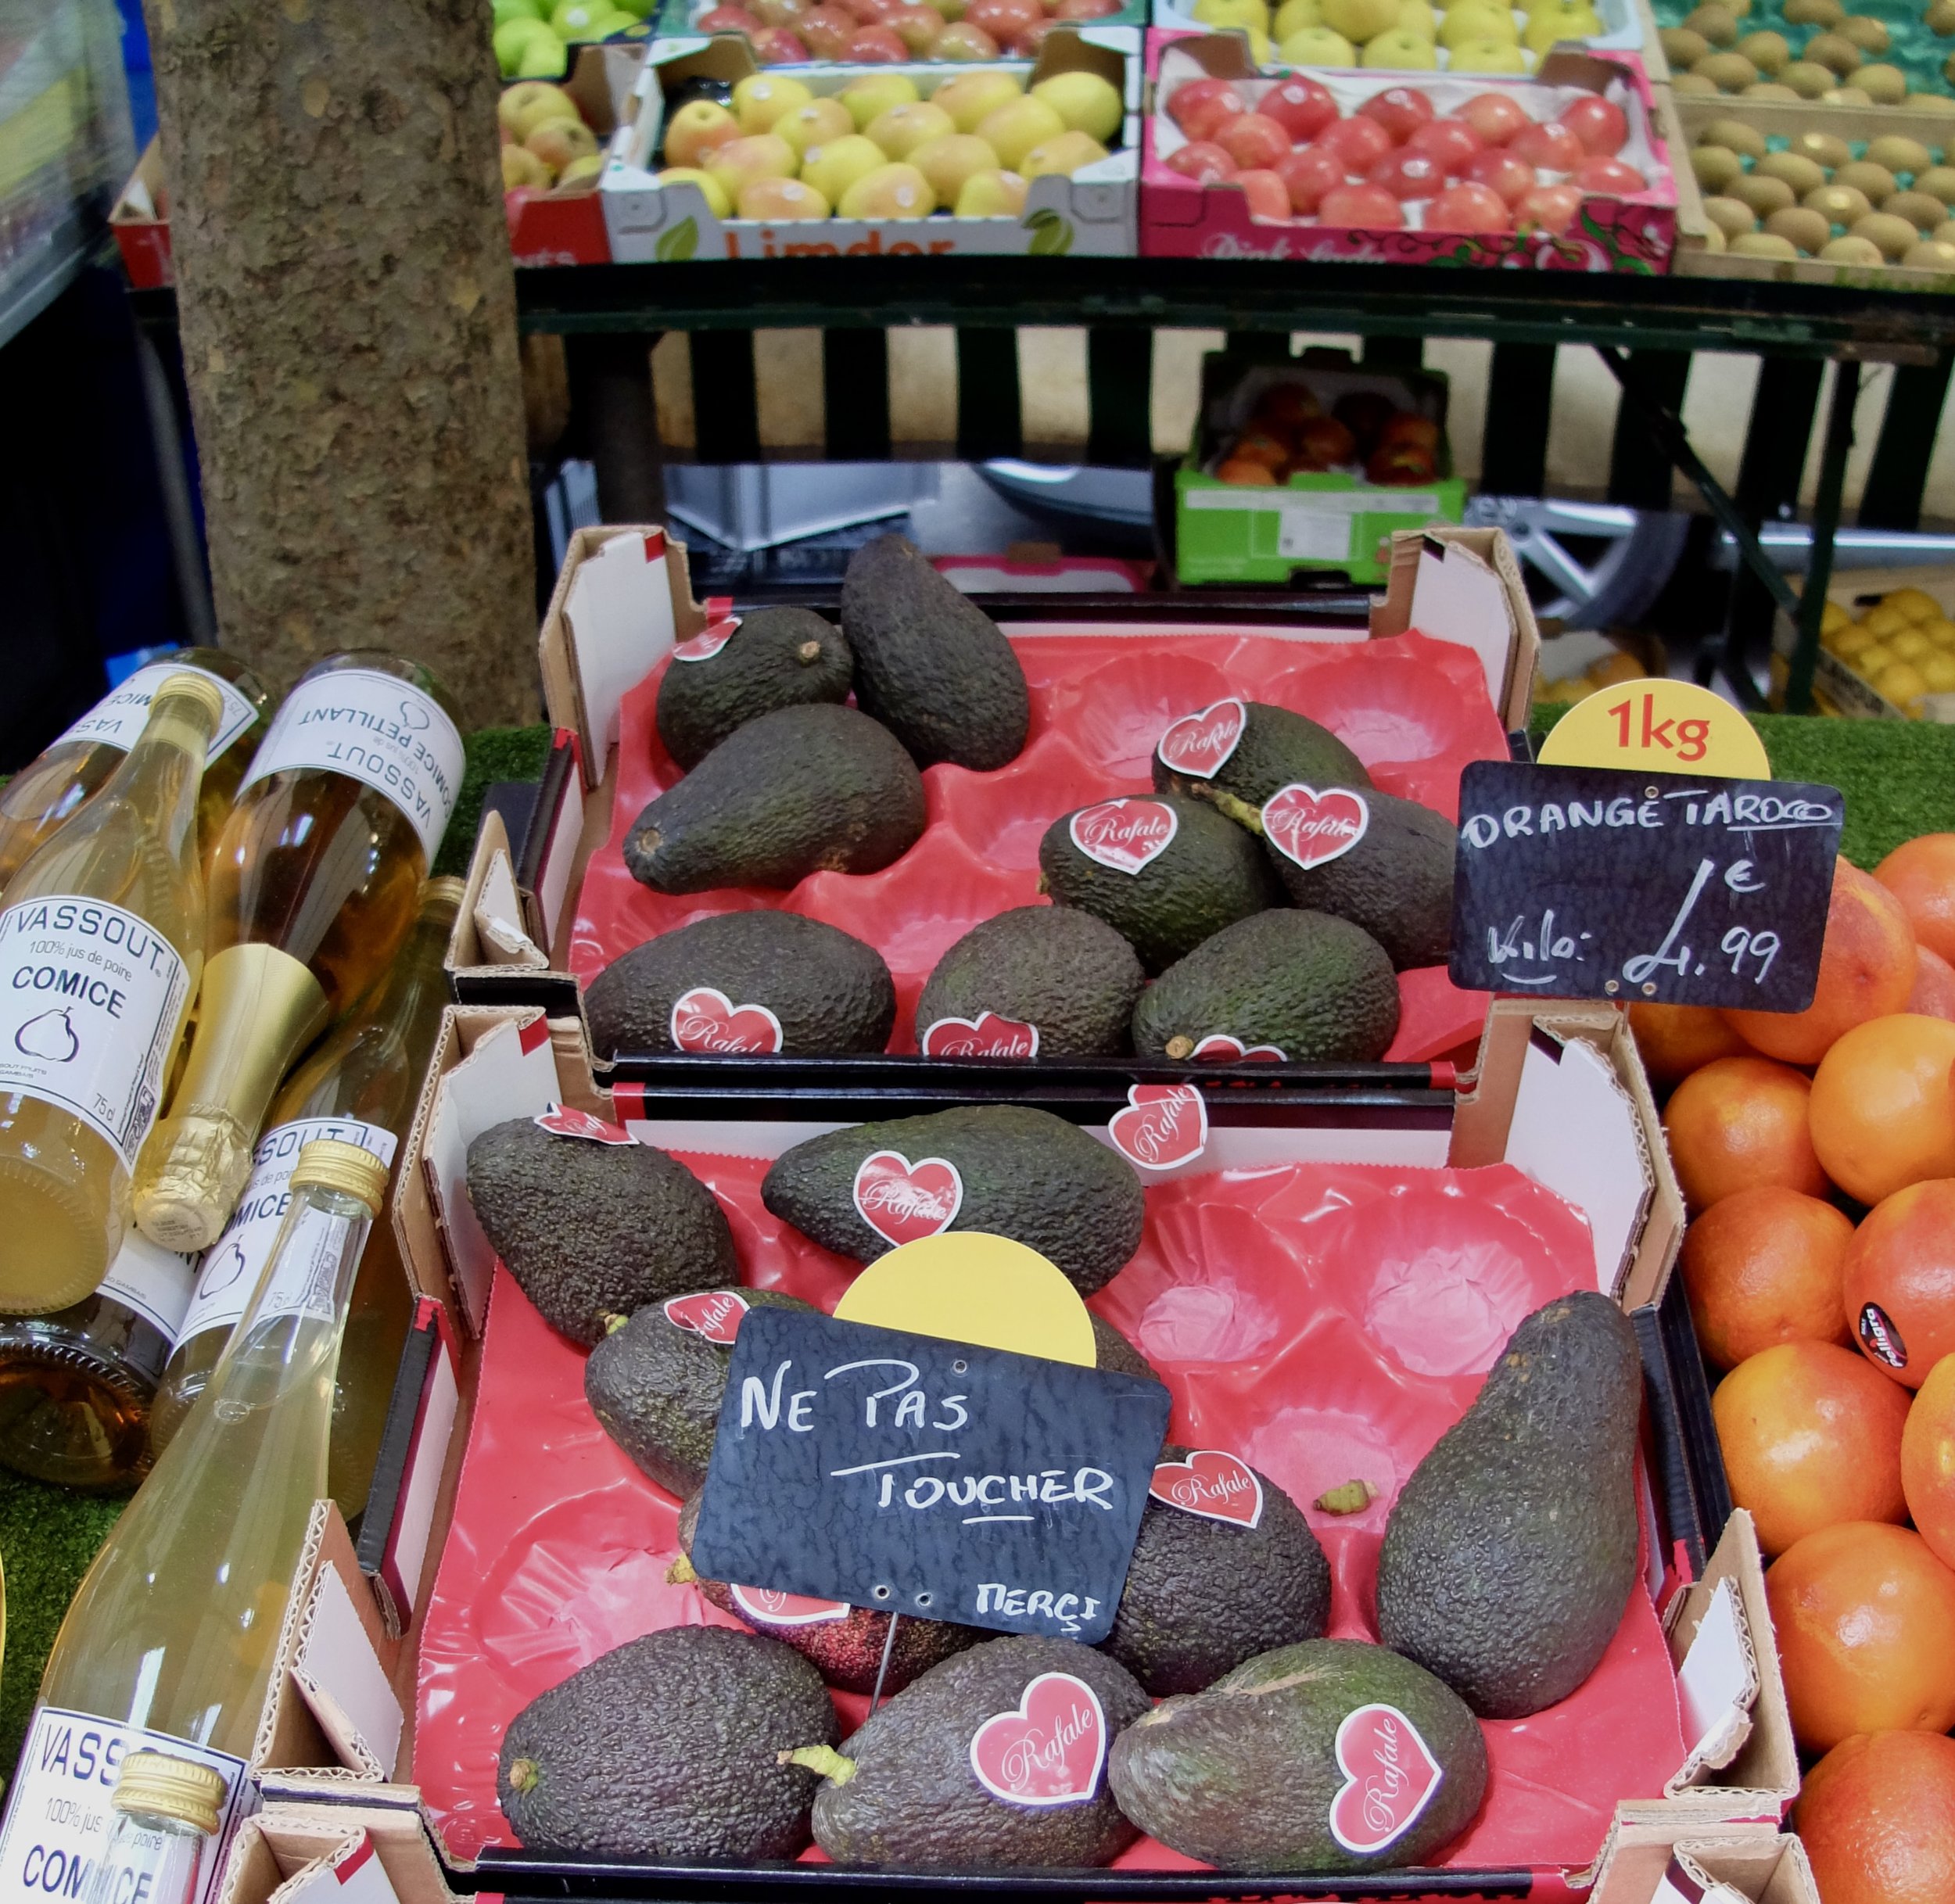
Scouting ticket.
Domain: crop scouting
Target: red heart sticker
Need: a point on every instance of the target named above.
(1311, 828)
(1390, 1777)
(1162, 1125)
(704, 647)
(1050, 1751)
(705, 1019)
(1220, 1048)
(562, 1120)
(1200, 744)
(1125, 835)
(714, 1313)
(773, 1608)
(903, 1201)
(988, 1035)
(1217, 1485)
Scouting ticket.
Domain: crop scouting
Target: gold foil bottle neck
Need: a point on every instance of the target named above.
(189, 1176)
(346, 1167)
(161, 1785)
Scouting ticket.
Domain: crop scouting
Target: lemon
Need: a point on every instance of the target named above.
(1832, 616)
(1909, 645)
(1871, 660)
(1940, 631)
(1884, 621)
(1938, 672)
(1916, 604)
(1903, 683)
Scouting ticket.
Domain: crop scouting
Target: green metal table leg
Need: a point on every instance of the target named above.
(1826, 506)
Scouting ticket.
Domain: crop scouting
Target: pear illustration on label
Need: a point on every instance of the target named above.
(413, 714)
(51, 1037)
(220, 1275)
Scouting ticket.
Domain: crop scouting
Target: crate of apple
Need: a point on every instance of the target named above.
(892, 32)
(1292, 434)
(1397, 160)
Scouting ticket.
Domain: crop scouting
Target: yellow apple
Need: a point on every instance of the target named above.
(530, 104)
(695, 129)
(1402, 50)
(717, 202)
(1317, 46)
(522, 167)
(889, 191)
(951, 162)
(1230, 13)
(557, 141)
(833, 168)
(740, 163)
(901, 130)
(776, 199)
(1417, 16)
(1015, 128)
(762, 98)
(1478, 20)
(1487, 56)
(1293, 17)
(1065, 153)
(1084, 101)
(971, 96)
(585, 171)
(991, 194)
(1360, 20)
(870, 96)
(813, 125)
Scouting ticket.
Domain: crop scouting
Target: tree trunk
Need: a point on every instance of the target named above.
(348, 310)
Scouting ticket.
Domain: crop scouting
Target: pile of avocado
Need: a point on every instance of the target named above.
(1506, 1563)
(1247, 949)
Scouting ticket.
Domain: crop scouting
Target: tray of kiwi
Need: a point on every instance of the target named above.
(1892, 54)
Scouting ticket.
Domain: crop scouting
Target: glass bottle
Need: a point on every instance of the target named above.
(171, 1641)
(101, 946)
(70, 772)
(163, 1837)
(361, 1085)
(313, 882)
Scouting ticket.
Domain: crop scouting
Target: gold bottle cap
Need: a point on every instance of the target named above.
(335, 1166)
(160, 1785)
(198, 687)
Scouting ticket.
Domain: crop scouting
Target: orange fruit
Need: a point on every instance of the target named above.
(1739, 1123)
(1673, 1040)
(1866, 969)
(1763, 1267)
(1934, 993)
(1811, 1437)
(1877, 1817)
(1898, 1280)
(1882, 1111)
(1928, 1462)
(1865, 1616)
(1922, 875)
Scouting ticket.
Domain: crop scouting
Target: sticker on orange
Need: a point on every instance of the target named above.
(1126, 835)
(1200, 745)
(706, 1020)
(1390, 1777)
(1311, 828)
(1049, 1751)
(1163, 1126)
(566, 1121)
(1880, 1338)
(904, 1201)
(714, 1313)
(1213, 1484)
(775, 1608)
(988, 1035)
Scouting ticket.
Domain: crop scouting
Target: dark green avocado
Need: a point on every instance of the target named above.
(667, 1748)
(1510, 1552)
(777, 657)
(1276, 748)
(1053, 966)
(591, 1230)
(831, 992)
(802, 790)
(1112, 1351)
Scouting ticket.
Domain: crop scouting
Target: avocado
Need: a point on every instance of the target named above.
(655, 1388)
(802, 790)
(1247, 1775)
(903, 1789)
(1112, 1350)
(776, 657)
(831, 992)
(1025, 1175)
(1321, 990)
(593, 1230)
(668, 1747)
(848, 1652)
(930, 664)
(1208, 875)
(1064, 971)
(1396, 882)
(1204, 1595)
(1510, 1552)
(1276, 748)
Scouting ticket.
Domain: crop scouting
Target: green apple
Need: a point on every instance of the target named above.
(1015, 127)
(512, 37)
(833, 168)
(1293, 17)
(1317, 46)
(544, 56)
(871, 96)
(1400, 49)
(1478, 20)
(814, 123)
(970, 96)
(889, 191)
(695, 129)
(502, 12)
(1417, 16)
(523, 108)
(1084, 102)
(951, 162)
(762, 98)
(901, 130)
(1066, 154)
(717, 202)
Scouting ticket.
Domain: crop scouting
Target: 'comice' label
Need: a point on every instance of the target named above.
(119, 719)
(376, 727)
(90, 1000)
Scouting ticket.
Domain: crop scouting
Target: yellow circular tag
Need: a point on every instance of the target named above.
(1661, 727)
(967, 1285)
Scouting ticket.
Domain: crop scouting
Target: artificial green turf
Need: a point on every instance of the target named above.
(494, 753)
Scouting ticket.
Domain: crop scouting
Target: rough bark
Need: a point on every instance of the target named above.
(348, 312)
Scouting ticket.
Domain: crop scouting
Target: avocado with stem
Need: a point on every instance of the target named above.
(776, 657)
(1064, 971)
(1276, 747)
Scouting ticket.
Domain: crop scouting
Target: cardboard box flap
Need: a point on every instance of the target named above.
(614, 600)
(1464, 586)
(490, 929)
(1651, 1863)
(339, 1674)
(333, 1854)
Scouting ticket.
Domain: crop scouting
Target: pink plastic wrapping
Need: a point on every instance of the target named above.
(1326, 1322)
(1415, 711)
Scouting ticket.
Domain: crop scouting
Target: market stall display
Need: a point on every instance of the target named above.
(1812, 50)
(1487, 36)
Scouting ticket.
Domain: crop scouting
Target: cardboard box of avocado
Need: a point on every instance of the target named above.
(1332, 1284)
(901, 910)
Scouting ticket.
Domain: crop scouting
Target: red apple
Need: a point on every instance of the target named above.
(961, 40)
(1322, 443)
(875, 46)
(1402, 111)
(1468, 208)
(1202, 103)
(917, 26)
(1368, 206)
(781, 13)
(1608, 178)
(1409, 175)
(1202, 162)
(1453, 142)
(1300, 105)
(1548, 208)
(827, 30)
(1268, 200)
(1599, 124)
(1508, 176)
(1361, 143)
(775, 46)
(1548, 148)
(1254, 140)
(728, 19)
(1308, 173)
(1496, 116)
(1003, 20)
(1025, 45)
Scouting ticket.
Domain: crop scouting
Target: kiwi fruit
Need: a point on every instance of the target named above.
(1939, 103)
(1735, 135)
(1762, 245)
(1826, 149)
(1930, 255)
(1769, 52)
(1944, 233)
(1693, 84)
(1764, 196)
(1898, 154)
(1922, 212)
(1727, 72)
(1732, 216)
(1771, 89)
(1941, 18)
(1807, 230)
(1682, 48)
(1948, 69)
(1894, 235)
(1846, 95)
(1869, 34)
(1813, 13)
(1884, 84)
(1806, 78)
(1850, 250)
(1718, 25)
(1714, 239)
(1802, 174)
(1715, 167)
(1939, 182)
(1839, 204)
(1833, 50)
(1862, 175)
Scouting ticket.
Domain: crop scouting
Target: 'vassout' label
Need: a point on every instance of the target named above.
(91, 998)
(232, 1265)
(377, 728)
(155, 1282)
(58, 1816)
(118, 719)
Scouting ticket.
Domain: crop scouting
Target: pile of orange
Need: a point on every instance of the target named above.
(1816, 1151)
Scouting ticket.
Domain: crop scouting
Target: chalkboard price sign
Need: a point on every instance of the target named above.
(911, 1475)
(1590, 882)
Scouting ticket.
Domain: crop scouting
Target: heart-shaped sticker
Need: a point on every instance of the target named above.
(1218, 1486)
(773, 1608)
(1162, 1125)
(903, 1201)
(1050, 1751)
(1127, 834)
(1312, 828)
(705, 646)
(1199, 745)
(705, 1019)
(1221, 1048)
(714, 1313)
(565, 1120)
(988, 1035)
(1390, 1777)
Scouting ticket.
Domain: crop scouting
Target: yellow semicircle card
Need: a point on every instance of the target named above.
(1658, 726)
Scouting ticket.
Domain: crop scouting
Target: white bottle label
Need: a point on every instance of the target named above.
(57, 1818)
(377, 728)
(153, 1281)
(231, 1266)
(91, 1001)
(119, 719)
(305, 1279)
